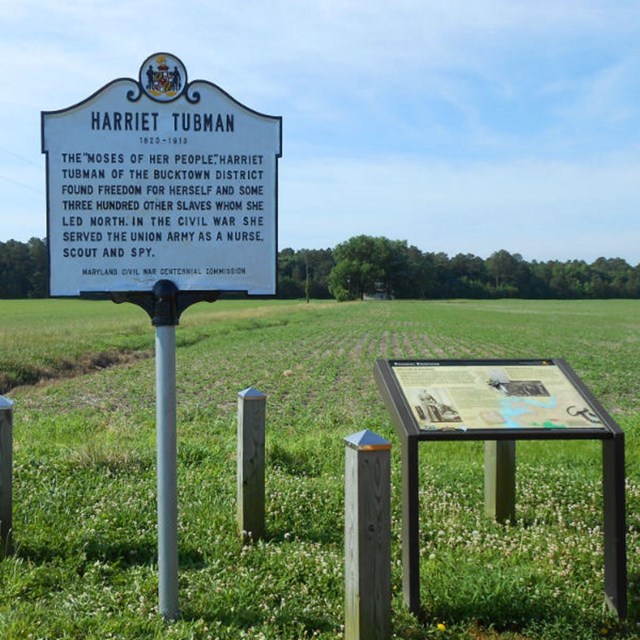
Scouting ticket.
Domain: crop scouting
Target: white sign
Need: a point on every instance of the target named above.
(161, 178)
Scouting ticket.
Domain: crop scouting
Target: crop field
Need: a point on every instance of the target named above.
(81, 375)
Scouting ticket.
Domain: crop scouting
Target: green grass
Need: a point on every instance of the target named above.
(43, 339)
(84, 471)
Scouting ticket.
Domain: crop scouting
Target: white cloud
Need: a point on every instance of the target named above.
(539, 209)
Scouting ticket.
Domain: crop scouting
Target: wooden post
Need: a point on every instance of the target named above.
(251, 438)
(500, 480)
(367, 537)
(6, 475)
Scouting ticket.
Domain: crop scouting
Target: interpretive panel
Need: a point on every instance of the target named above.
(500, 400)
(492, 395)
(160, 178)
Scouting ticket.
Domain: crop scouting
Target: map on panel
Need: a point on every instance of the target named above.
(492, 396)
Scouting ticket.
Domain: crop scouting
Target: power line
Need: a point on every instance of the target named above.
(17, 155)
(22, 184)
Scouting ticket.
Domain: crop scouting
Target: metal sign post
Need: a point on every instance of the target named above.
(167, 479)
(167, 446)
(164, 305)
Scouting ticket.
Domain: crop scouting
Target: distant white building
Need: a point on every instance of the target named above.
(378, 294)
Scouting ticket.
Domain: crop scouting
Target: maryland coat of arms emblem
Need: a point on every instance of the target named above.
(163, 77)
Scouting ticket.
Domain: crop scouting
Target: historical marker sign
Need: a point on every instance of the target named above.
(461, 395)
(162, 193)
(161, 178)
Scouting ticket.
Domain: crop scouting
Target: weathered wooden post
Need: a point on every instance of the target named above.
(6, 474)
(367, 537)
(500, 480)
(251, 438)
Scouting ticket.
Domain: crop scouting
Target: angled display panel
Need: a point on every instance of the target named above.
(484, 398)
(491, 400)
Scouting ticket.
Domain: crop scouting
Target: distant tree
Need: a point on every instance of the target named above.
(633, 284)
(355, 271)
(510, 274)
(289, 278)
(15, 269)
(438, 269)
(23, 269)
(342, 281)
(394, 262)
(416, 273)
(320, 263)
(304, 272)
(611, 277)
(573, 277)
(540, 276)
(469, 276)
(39, 275)
(366, 264)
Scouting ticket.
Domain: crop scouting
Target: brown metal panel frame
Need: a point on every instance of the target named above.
(613, 456)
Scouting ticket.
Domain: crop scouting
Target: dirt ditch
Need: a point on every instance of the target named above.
(87, 363)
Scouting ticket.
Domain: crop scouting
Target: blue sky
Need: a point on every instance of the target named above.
(463, 127)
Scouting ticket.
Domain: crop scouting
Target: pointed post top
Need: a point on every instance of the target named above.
(367, 441)
(5, 404)
(250, 393)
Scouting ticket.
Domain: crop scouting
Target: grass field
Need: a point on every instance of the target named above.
(82, 378)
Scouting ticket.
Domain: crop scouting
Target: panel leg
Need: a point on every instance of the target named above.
(615, 546)
(6, 475)
(410, 525)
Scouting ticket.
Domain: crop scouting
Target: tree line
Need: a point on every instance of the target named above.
(23, 269)
(378, 267)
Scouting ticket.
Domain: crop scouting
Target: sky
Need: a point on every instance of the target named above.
(460, 127)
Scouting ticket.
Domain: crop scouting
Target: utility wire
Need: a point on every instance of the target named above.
(17, 155)
(22, 184)
(24, 159)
